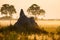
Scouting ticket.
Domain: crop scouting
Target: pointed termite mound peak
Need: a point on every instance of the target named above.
(22, 14)
(25, 24)
(22, 19)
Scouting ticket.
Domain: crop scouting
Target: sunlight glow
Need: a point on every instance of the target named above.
(14, 16)
(52, 7)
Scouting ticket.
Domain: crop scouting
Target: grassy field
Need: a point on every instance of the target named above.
(47, 24)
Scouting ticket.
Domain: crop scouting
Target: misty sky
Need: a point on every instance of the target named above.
(52, 7)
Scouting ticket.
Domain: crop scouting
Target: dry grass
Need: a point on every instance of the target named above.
(49, 25)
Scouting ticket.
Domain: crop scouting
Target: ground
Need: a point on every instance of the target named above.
(49, 25)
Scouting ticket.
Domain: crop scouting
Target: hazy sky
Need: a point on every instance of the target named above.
(52, 7)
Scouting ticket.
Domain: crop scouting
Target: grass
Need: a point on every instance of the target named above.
(7, 33)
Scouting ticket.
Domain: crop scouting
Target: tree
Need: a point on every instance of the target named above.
(4, 9)
(42, 12)
(8, 9)
(11, 10)
(35, 10)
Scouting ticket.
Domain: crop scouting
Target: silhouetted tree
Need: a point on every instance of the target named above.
(8, 9)
(4, 9)
(35, 10)
(12, 10)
